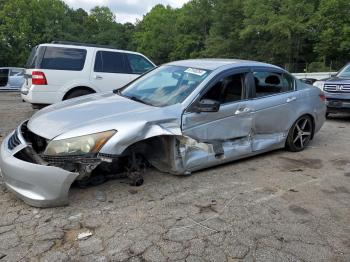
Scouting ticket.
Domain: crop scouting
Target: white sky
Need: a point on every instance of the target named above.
(125, 10)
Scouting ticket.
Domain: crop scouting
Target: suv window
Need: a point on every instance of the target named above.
(61, 58)
(227, 90)
(109, 62)
(34, 57)
(270, 83)
(138, 64)
(16, 72)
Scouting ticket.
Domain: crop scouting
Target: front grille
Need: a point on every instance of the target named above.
(14, 141)
(337, 88)
(38, 143)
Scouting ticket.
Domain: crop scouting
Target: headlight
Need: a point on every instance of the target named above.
(78, 145)
(319, 84)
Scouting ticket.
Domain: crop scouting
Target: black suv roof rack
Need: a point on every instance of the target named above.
(82, 44)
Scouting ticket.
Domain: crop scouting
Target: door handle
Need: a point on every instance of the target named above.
(242, 110)
(97, 77)
(291, 99)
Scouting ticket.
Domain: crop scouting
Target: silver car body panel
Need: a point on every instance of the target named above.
(185, 141)
(15, 79)
(37, 185)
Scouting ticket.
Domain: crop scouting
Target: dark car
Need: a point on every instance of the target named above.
(337, 90)
(309, 81)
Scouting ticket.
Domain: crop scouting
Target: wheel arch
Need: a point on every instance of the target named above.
(71, 90)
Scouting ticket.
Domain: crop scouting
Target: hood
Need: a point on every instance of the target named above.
(97, 113)
(337, 80)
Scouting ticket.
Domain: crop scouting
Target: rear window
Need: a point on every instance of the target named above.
(60, 58)
(34, 57)
(109, 62)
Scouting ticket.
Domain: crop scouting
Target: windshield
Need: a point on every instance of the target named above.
(166, 85)
(345, 72)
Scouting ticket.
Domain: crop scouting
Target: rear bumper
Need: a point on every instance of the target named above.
(35, 184)
(33, 96)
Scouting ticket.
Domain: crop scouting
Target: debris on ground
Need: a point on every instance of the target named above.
(101, 196)
(84, 235)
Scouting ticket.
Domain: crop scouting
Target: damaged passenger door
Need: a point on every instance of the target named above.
(222, 116)
(274, 107)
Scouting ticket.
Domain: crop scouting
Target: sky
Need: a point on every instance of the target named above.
(125, 10)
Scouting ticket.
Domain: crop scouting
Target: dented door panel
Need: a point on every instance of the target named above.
(231, 122)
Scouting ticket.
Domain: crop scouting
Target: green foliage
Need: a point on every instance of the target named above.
(155, 34)
(317, 67)
(289, 33)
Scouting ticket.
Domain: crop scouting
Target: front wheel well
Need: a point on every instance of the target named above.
(83, 88)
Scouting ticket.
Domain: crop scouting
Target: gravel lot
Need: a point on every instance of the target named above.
(280, 206)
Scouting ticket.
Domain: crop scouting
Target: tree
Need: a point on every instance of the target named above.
(24, 23)
(155, 34)
(332, 24)
(227, 22)
(192, 29)
(278, 31)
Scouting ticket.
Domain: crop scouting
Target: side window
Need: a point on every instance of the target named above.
(138, 64)
(16, 72)
(109, 62)
(227, 90)
(270, 83)
(61, 58)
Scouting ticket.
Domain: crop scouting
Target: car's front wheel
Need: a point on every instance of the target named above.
(300, 134)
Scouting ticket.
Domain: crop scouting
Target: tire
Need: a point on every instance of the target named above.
(77, 93)
(300, 134)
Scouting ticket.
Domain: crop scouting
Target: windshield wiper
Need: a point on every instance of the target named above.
(118, 92)
(138, 100)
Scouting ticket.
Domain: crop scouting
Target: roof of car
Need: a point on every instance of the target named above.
(215, 63)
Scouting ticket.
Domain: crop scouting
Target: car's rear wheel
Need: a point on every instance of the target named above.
(300, 134)
(77, 93)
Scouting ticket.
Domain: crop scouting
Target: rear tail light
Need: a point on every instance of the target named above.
(38, 78)
(322, 97)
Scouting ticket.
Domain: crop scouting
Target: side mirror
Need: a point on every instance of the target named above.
(207, 105)
(334, 75)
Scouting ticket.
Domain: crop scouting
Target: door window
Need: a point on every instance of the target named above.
(270, 83)
(16, 72)
(227, 90)
(61, 58)
(109, 62)
(138, 64)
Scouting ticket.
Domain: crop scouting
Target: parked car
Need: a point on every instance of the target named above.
(11, 78)
(337, 91)
(180, 117)
(309, 81)
(62, 70)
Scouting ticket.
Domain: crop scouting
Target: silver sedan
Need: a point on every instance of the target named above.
(179, 118)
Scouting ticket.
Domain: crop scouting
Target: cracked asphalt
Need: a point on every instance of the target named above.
(279, 206)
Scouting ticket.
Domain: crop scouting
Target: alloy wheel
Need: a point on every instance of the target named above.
(302, 132)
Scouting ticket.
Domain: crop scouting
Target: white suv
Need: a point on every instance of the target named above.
(63, 70)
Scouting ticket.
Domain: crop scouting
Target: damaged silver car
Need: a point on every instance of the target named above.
(179, 118)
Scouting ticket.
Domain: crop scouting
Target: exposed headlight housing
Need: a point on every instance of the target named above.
(319, 84)
(78, 145)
